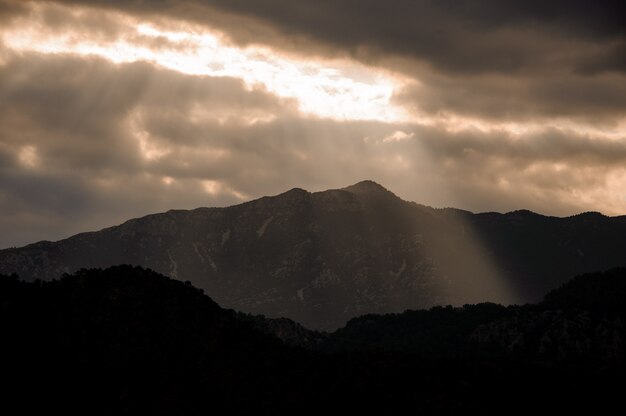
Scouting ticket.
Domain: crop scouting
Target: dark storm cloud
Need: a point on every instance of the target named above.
(98, 25)
(10, 9)
(519, 152)
(455, 36)
(609, 59)
(600, 99)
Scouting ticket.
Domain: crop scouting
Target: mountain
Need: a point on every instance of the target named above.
(322, 258)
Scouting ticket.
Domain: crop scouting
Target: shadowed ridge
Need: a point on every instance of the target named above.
(589, 215)
(524, 213)
(604, 290)
(371, 192)
(368, 187)
(294, 193)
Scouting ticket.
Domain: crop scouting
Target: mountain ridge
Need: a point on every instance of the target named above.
(321, 258)
(298, 190)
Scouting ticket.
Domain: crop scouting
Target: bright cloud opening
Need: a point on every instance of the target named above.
(28, 156)
(398, 136)
(327, 89)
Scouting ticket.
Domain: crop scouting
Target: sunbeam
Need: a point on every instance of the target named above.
(336, 89)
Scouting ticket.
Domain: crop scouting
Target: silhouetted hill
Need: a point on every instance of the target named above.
(434, 333)
(582, 323)
(323, 258)
(127, 340)
(600, 291)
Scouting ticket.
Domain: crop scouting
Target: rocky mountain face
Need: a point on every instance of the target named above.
(322, 258)
(556, 335)
(287, 331)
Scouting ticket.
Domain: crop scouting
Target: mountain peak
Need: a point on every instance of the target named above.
(296, 191)
(371, 191)
(293, 194)
(366, 186)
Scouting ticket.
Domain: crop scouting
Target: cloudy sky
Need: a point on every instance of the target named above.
(115, 109)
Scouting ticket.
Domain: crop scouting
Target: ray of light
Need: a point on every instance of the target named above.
(330, 89)
(336, 89)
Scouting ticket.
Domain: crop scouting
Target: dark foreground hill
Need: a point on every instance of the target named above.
(129, 341)
(582, 323)
(323, 258)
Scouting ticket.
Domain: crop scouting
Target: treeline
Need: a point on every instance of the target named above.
(582, 323)
(127, 340)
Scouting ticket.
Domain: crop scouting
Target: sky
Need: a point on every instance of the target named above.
(111, 110)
